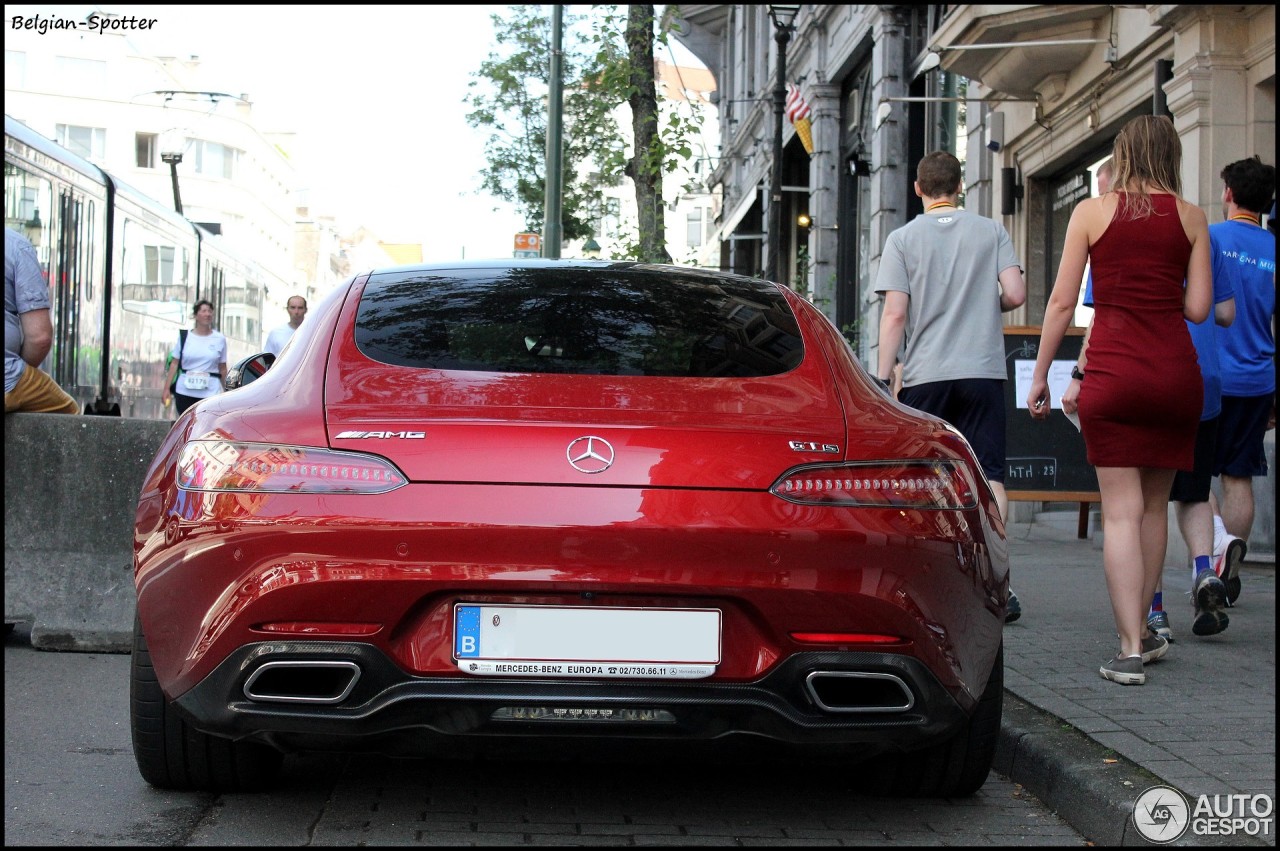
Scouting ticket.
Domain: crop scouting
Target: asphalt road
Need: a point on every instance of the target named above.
(70, 779)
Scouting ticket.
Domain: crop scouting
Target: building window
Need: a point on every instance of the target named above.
(213, 159)
(946, 119)
(88, 142)
(82, 77)
(145, 144)
(611, 217)
(693, 235)
(15, 69)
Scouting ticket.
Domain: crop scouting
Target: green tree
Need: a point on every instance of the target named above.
(607, 62)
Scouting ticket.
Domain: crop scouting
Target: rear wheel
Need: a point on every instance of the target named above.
(952, 768)
(171, 754)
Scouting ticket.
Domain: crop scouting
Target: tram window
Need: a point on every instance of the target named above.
(154, 274)
(28, 200)
(159, 259)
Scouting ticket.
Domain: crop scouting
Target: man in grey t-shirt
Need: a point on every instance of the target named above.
(947, 277)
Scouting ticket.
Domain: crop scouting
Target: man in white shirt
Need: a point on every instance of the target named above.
(297, 307)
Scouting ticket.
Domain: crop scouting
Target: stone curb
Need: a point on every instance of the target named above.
(1088, 785)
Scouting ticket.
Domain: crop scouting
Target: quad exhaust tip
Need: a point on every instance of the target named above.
(302, 682)
(858, 691)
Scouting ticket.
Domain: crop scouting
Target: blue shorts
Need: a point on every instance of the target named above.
(975, 406)
(1241, 428)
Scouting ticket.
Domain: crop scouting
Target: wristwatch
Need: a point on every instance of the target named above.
(1077, 374)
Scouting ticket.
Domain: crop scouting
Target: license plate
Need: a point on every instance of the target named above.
(586, 641)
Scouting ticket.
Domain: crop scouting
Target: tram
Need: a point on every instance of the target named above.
(124, 271)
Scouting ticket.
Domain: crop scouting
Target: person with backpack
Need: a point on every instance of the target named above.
(198, 365)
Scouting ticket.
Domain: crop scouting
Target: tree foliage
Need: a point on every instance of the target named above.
(607, 62)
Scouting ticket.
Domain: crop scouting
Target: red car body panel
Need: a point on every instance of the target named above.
(683, 518)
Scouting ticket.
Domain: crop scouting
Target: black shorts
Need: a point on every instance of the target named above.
(1241, 429)
(1194, 486)
(975, 406)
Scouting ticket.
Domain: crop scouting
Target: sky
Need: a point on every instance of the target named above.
(375, 94)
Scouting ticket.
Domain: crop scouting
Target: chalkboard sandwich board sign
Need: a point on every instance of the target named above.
(1044, 460)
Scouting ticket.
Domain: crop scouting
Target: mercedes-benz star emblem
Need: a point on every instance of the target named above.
(590, 454)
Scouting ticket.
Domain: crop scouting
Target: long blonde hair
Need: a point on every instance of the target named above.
(1147, 155)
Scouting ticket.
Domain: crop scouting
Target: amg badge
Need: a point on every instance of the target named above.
(360, 435)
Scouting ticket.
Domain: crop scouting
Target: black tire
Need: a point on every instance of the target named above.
(171, 754)
(951, 769)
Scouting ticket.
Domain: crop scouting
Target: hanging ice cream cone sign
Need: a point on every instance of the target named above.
(798, 114)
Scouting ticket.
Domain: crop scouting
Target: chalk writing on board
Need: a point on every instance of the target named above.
(1032, 473)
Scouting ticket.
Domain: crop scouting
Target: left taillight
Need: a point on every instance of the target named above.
(880, 484)
(219, 465)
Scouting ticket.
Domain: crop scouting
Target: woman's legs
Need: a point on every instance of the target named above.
(1134, 508)
(1156, 486)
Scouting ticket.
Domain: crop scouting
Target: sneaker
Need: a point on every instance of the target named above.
(1153, 647)
(1013, 610)
(1126, 670)
(1158, 623)
(1209, 597)
(1227, 566)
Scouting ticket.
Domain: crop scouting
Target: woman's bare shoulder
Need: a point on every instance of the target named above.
(1190, 212)
(1095, 213)
(1194, 221)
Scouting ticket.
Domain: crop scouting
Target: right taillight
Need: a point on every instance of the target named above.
(880, 484)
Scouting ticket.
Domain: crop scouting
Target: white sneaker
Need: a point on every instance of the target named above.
(1226, 564)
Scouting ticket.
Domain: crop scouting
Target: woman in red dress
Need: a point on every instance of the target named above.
(1140, 404)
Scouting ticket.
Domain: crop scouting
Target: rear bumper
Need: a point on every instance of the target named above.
(205, 585)
(387, 710)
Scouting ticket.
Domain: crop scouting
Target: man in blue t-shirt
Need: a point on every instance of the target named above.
(1244, 252)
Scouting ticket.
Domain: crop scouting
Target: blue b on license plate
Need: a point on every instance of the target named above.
(586, 641)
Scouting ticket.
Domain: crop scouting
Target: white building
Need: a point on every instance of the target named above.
(125, 112)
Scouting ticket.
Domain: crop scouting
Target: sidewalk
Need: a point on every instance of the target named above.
(1204, 722)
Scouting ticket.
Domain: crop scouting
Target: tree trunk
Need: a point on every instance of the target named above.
(646, 162)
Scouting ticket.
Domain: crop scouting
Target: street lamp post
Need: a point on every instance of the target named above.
(173, 158)
(171, 144)
(553, 203)
(783, 23)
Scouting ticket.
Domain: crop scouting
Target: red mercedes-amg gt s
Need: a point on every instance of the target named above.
(565, 499)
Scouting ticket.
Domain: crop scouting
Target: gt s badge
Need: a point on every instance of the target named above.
(810, 446)
(361, 435)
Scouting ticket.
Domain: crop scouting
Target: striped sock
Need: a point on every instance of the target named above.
(1157, 602)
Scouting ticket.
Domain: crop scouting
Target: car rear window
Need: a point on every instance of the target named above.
(596, 320)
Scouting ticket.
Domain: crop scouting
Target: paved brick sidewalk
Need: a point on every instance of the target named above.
(1205, 721)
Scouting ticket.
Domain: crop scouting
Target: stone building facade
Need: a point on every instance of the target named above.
(1030, 97)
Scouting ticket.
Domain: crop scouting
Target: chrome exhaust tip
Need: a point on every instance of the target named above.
(302, 682)
(858, 691)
